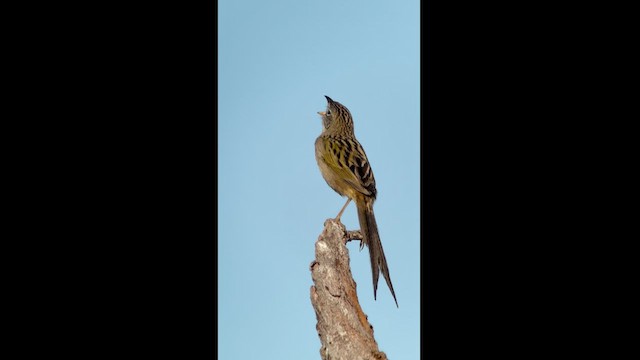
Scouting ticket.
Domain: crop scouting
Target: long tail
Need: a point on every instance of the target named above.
(369, 230)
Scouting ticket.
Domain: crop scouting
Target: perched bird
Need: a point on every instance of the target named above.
(345, 168)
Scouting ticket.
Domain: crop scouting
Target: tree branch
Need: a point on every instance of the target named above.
(343, 328)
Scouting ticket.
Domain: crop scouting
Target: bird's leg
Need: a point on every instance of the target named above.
(342, 210)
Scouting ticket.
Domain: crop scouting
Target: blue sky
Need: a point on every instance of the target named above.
(276, 61)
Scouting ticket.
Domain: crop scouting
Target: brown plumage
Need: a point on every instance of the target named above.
(344, 165)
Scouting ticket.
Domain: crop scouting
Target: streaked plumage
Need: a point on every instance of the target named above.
(344, 165)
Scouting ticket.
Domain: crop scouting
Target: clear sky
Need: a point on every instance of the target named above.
(276, 61)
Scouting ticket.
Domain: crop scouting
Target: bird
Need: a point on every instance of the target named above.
(346, 169)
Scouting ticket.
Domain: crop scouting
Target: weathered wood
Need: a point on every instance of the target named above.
(343, 328)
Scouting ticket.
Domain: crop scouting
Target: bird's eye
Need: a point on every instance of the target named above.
(328, 112)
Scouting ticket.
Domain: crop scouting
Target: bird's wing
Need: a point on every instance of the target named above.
(347, 158)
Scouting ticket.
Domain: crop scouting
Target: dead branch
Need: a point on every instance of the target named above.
(343, 328)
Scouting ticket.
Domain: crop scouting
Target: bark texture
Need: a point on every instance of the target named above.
(343, 328)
